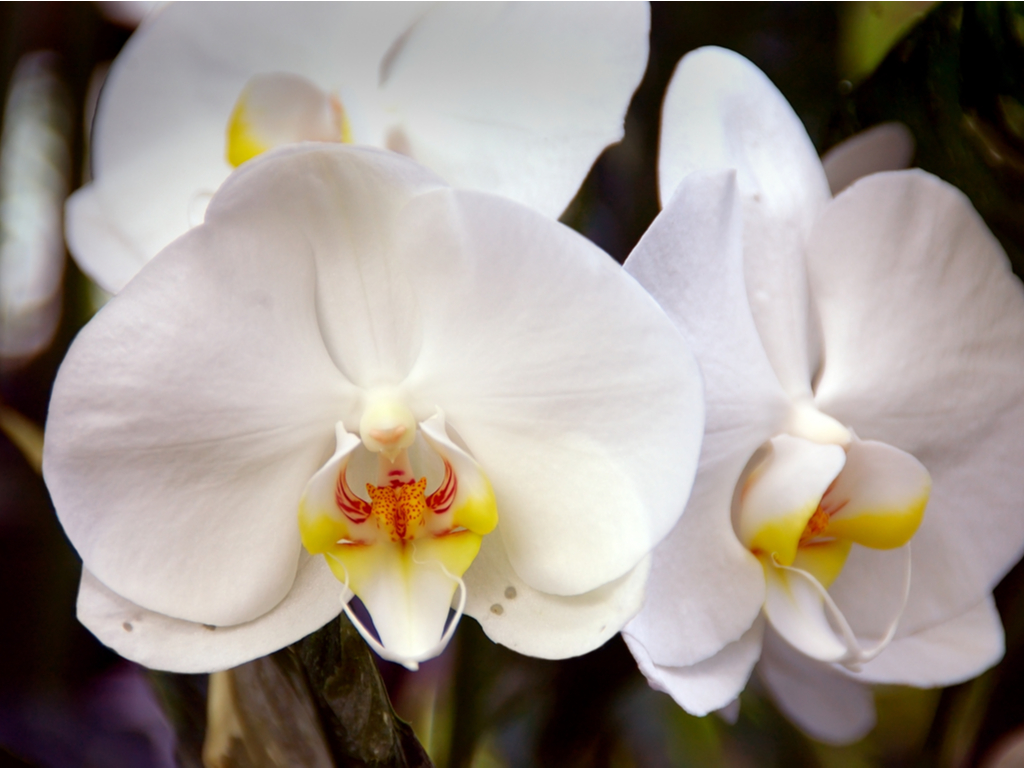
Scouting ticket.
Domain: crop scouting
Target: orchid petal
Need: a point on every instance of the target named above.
(782, 493)
(924, 326)
(101, 249)
(822, 701)
(879, 498)
(721, 111)
(708, 685)
(158, 138)
(513, 613)
(528, 338)
(730, 713)
(487, 91)
(946, 654)
(161, 642)
(706, 589)
(884, 147)
(175, 453)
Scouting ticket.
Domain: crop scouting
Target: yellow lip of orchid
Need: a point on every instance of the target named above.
(280, 108)
(404, 546)
(803, 508)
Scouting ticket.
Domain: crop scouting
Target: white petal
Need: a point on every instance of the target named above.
(185, 422)
(730, 713)
(884, 147)
(820, 700)
(567, 383)
(708, 685)
(160, 642)
(518, 98)
(347, 206)
(515, 614)
(946, 654)
(706, 588)
(100, 247)
(721, 111)
(159, 136)
(924, 335)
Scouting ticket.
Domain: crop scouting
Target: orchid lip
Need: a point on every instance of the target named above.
(280, 108)
(801, 509)
(402, 538)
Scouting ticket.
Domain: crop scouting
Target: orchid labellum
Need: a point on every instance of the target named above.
(354, 379)
(859, 490)
(512, 98)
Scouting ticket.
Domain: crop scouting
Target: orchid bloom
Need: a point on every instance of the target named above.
(34, 166)
(354, 379)
(859, 492)
(517, 99)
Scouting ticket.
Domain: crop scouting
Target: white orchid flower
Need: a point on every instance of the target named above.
(441, 392)
(34, 165)
(517, 99)
(862, 358)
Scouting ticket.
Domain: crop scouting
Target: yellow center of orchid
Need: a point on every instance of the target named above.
(802, 507)
(399, 509)
(810, 494)
(404, 546)
(280, 108)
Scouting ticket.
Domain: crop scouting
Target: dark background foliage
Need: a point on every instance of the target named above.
(956, 79)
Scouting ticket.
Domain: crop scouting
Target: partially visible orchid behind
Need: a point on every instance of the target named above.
(515, 99)
(34, 169)
(859, 491)
(353, 379)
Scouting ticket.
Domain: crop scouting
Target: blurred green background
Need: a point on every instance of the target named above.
(954, 74)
